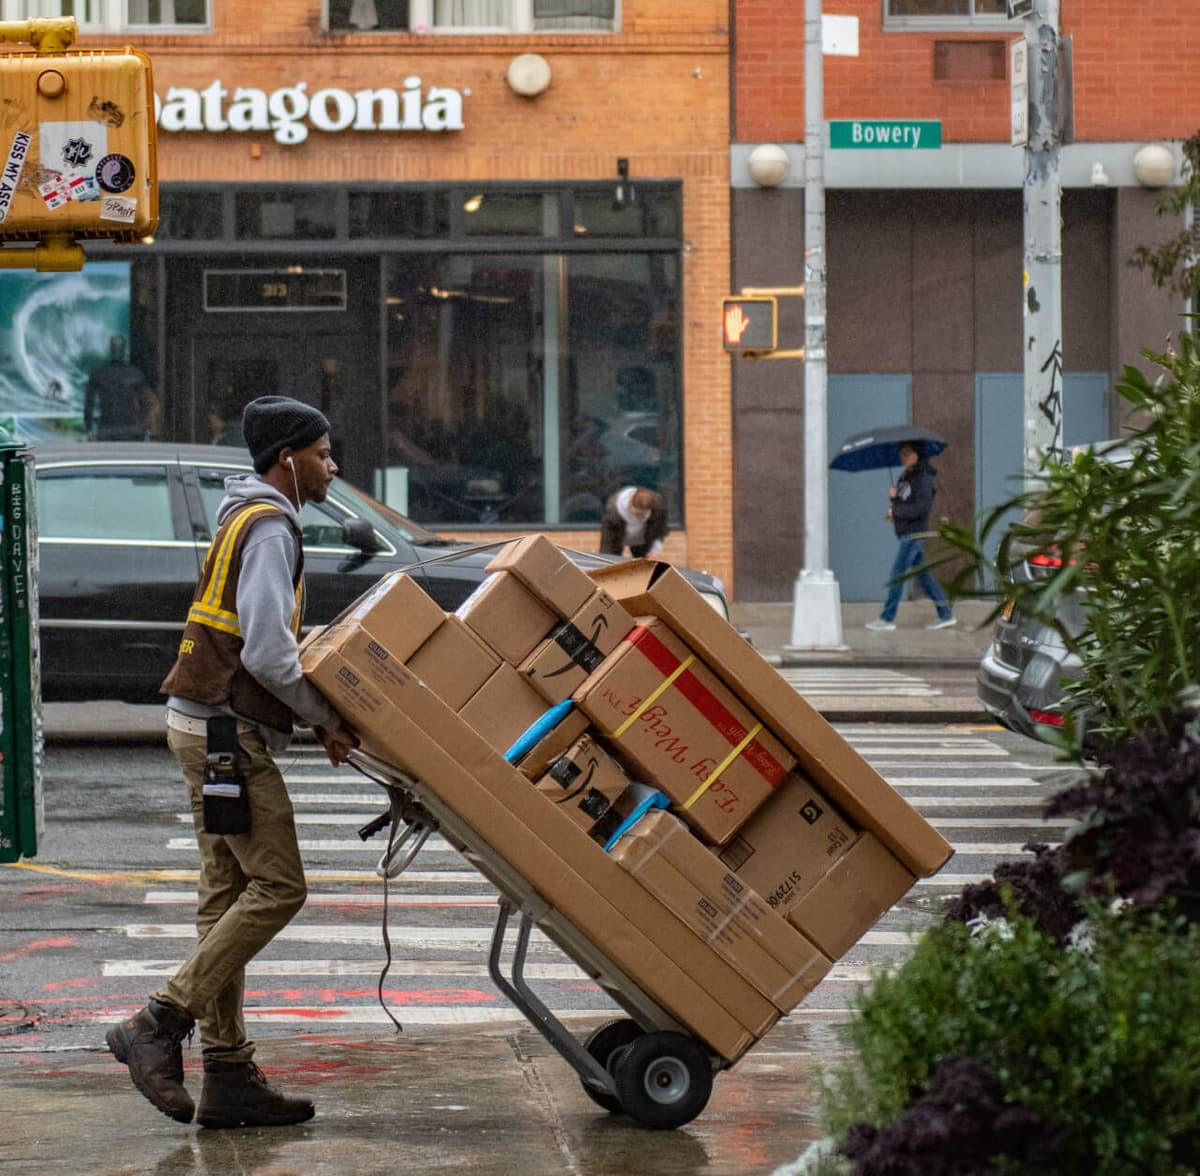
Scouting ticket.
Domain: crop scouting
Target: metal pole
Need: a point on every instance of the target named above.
(816, 602)
(1042, 306)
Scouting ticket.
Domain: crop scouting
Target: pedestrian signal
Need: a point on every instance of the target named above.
(748, 324)
(77, 146)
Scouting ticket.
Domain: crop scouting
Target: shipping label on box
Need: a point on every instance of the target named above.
(685, 730)
(508, 617)
(546, 572)
(503, 707)
(849, 899)
(454, 662)
(584, 781)
(804, 966)
(789, 843)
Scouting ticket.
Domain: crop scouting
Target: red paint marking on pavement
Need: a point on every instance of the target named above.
(37, 945)
(54, 985)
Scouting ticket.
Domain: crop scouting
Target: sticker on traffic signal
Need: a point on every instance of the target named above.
(748, 324)
(77, 145)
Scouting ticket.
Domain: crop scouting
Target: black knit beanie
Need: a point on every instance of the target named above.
(274, 423)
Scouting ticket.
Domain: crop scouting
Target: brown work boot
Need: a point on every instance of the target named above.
(149, 1044)
(237, 1094)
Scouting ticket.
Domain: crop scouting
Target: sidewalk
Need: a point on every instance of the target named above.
(496, 1101)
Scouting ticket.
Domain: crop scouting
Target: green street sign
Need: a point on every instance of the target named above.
(874, 133)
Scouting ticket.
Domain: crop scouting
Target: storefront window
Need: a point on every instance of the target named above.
(510, 214)
(399, 214)
(527, 389)
(303, 215)
(185, 215)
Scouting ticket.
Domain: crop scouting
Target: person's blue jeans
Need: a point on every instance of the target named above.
(911, 554)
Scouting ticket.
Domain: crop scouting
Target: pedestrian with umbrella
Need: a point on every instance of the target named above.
(911, 495)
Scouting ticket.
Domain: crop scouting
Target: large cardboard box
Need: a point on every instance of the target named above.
(648, 587)
(503, 707)
(416, 732)
(559, 665)
(783, 965)
(398, 611)
(584, 782)
(546, 572)
(673, 718)
(453, 662)
(508, 617)
(864, 883)
(789, 843)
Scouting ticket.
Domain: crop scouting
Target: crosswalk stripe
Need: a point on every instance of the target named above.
(331, 845)
(457, 938)
(325, 898)
(408, 969)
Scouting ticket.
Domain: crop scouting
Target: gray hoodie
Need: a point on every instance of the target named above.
(265, 602)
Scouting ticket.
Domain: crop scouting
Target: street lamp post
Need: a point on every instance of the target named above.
(816, 601)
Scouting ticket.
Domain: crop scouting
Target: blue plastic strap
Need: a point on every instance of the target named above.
(538, 730)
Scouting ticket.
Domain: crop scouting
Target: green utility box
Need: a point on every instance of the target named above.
(21, 815)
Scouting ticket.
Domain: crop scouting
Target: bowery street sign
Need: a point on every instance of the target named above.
(886, 132)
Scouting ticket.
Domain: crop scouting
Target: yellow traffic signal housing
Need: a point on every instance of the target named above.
(77, 146)
(748, 324)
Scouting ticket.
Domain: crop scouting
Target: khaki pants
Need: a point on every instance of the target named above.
(251, 886)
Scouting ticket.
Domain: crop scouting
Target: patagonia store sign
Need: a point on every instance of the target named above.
(291, 111)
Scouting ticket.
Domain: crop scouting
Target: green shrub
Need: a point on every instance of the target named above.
(1101, 1041)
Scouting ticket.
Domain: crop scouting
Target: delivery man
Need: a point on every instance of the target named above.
(234, 691)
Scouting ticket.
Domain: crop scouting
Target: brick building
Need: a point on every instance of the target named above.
(412, 214)
(925, 252)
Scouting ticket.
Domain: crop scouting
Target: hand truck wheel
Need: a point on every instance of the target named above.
(604, 1044)
(663, 1079)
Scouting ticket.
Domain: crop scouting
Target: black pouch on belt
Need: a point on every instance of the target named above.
(226, 802)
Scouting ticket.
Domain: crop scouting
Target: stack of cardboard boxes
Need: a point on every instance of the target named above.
(781, 846)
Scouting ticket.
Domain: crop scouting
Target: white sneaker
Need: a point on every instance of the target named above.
(948, 623)
(880, 625)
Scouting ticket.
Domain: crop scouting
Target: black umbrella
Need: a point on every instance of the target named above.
(877, 449)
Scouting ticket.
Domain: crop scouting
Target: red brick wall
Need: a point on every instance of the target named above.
(657, 93)
(1134, 73)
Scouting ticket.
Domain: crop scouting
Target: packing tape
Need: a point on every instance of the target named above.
(722, 766)
(663, 685)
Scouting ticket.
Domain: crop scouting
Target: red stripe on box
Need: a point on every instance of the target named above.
(707, 704)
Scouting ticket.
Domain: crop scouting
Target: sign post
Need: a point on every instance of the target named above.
(816, 601)
(1041, 306)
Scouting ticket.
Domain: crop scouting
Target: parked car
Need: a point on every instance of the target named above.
(1021, 675)
(123, 530)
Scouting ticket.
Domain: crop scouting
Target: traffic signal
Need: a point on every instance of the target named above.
(77, 146)
(748, 324)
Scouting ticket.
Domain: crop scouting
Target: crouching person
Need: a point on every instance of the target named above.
(233, 694)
